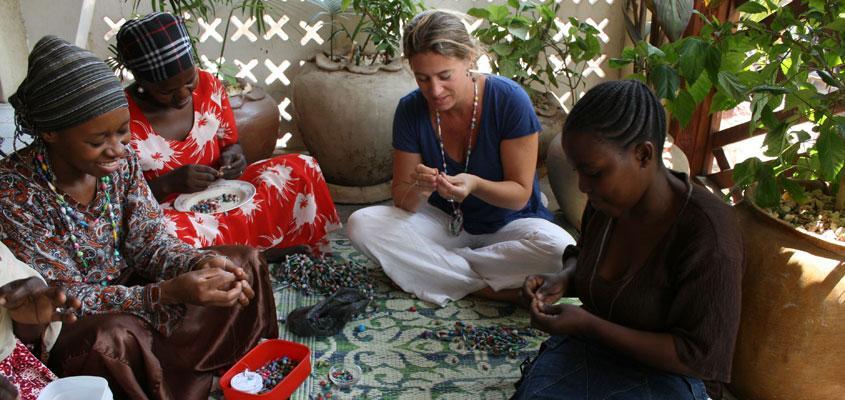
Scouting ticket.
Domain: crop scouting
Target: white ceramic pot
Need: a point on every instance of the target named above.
(346, 121)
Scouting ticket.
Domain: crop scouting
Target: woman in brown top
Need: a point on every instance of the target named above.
(658, 267)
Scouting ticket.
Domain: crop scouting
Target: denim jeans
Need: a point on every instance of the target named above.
(570, 368)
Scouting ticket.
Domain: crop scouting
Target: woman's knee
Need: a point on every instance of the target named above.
(121, 337)
(366, 222)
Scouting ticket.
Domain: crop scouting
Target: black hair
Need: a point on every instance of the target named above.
(623, 112)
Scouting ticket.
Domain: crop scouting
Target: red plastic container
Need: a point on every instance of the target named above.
(262, 354)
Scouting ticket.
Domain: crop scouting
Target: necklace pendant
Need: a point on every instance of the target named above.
(456, 223)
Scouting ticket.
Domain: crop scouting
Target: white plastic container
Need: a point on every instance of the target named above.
(77, 388)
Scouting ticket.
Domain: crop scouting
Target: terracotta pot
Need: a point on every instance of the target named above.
(346, 121)
(564, 180)
(257, 119)
(792, 332)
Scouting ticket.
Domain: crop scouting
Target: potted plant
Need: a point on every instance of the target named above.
(344, 100)
(527, 46)
(256, 114)
(787, 62)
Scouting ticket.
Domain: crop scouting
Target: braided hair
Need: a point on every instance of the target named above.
(623, 112)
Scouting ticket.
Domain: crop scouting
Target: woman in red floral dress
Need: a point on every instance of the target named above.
(184, 132)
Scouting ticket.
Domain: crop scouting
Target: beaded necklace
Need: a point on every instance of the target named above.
(72, 217)
(456, 224)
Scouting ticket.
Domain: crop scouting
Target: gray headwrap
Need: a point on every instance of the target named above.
(64, 86)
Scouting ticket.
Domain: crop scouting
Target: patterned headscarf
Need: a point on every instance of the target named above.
(64, 86)
(155, 47)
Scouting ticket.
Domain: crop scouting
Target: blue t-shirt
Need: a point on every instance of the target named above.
(506, 113)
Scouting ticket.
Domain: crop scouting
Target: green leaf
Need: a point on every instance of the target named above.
(745, 173)
(513, 3)
(795, 190)
(722, 102)
(619, 62)
(673, 16)
(498, 13)
(775, 140)
(652, 51)
(828, 78)
(838, 25)
(502, 49)
(712, 62)
(831, 147)
(731, 85)
(509, 68)
(519, 31)
(700, 89)
(692, 54)
(770, 89)
(481, 13)
(665, 81)
(682, 107)
(750, 7)
(547, 12)
(767, 193)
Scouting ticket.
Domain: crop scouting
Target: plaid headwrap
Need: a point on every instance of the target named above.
(155, 47)
(64, 86)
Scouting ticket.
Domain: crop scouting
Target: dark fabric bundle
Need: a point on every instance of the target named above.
(329, 316)
(155, 48)
(64, 86)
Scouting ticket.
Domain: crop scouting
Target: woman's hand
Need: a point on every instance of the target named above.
(242, 254)
(189, 178)
(243, 260)
(424, 179)
(232, 162)
(545, 288)
(204, 287)
(31, 302)
(457, 187)
(559, 319)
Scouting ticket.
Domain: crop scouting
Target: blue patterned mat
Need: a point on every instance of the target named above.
(397, 359)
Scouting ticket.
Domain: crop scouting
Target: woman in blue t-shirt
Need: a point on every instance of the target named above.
(467, 216)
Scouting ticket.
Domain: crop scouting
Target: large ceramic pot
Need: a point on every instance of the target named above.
(792, 331)
(257, 119)
(564, 180)
(551, 117)
(346, 120)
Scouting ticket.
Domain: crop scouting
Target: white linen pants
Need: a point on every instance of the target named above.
(419, 254)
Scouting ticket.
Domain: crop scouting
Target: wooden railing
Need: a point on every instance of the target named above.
(702, 140)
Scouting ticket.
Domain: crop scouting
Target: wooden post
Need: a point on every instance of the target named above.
(696, 138)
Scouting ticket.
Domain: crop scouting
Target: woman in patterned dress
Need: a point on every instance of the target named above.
(184, 131)
(157, 317)
(26, 315)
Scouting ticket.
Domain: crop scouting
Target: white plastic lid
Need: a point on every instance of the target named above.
(77, 388)
(247, 382)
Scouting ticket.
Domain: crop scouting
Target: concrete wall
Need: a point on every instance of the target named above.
(13, 48)
(272, 61)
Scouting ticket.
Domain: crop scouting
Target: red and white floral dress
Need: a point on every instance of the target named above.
(292, 205)
(26, 372)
